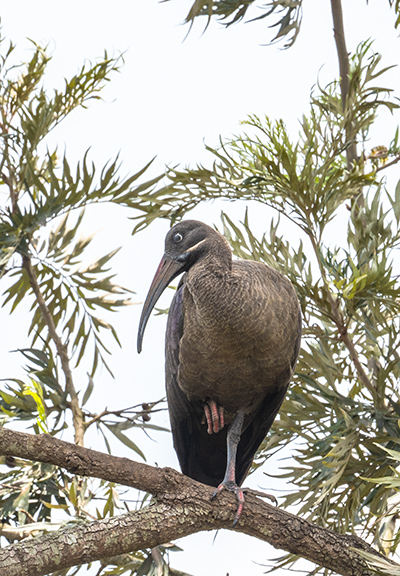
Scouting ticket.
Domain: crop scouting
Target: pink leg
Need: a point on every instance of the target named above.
(233, 437)
(229, 481)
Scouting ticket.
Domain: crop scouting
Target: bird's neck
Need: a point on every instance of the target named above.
(208, 283)
(214, 265)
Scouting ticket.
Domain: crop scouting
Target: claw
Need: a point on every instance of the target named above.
(240, 498)
(239, 492)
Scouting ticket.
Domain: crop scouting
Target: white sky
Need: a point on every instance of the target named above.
(171, 96)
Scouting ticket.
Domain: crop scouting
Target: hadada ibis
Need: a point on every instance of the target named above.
(232, 341)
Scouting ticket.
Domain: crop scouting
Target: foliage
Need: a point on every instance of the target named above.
(43, 260)
(288, 14)
(285, 14)
(396, 4)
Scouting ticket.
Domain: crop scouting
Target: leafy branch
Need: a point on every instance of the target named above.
(286, 16)
(62, 350)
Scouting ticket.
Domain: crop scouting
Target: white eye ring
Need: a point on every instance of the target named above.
(178, 237)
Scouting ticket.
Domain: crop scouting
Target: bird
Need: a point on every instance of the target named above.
(232, 342)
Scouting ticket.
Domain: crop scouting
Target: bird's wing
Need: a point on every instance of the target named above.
(178, 403)
(261, 421)
(201, 456)
(258, 427)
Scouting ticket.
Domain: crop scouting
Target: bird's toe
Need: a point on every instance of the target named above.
(261, 494)
(214, 416)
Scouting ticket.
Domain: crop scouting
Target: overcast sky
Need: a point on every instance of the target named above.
(172, 96)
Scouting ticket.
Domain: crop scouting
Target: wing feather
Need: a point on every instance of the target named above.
(201, 456)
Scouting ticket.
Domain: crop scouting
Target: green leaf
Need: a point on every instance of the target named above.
(88, 391)
(116, 430)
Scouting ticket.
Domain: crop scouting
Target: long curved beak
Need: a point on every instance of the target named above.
(167, 270)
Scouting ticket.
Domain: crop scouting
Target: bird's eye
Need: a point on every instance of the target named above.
(177, 237)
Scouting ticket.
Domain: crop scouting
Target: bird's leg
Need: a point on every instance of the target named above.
(214, 416)
(229, 481)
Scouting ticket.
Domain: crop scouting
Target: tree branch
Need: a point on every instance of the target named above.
(62, 351)
(391, 163)
(338, 319)
(182, 507)
(344, 71)
(347, 341)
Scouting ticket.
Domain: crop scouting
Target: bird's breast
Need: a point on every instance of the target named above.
(239, 336)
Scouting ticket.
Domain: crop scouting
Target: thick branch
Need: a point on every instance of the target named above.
(182, 507)
(338, 31)
(344, 71)
(62, 351)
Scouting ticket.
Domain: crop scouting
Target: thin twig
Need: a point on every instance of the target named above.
(120, 414)
(347, 341)
(28, 515)
(391, 163)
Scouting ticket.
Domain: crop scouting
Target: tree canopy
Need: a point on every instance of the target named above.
(340, 421)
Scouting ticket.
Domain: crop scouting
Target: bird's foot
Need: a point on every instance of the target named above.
(240, 492)
(214, 415)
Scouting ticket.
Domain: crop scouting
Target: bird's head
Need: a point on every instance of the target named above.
(185, 244)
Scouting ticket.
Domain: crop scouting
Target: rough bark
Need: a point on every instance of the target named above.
(181, 507)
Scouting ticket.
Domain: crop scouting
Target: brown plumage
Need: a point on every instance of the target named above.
(232, 341)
